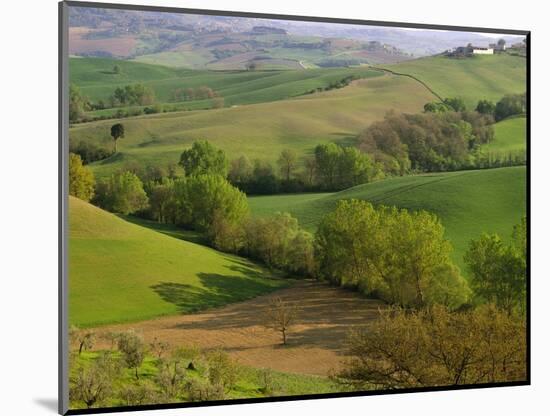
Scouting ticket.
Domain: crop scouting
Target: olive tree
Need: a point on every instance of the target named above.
(133, 351)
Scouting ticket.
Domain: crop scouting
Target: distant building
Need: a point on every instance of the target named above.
(464, 51)
(478, 50)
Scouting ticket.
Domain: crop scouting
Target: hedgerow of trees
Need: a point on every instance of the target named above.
(137, 94)
(426, 142)
(331, 168)
(398, 256)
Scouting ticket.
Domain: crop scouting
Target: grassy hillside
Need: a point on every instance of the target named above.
(96, 79)
(510, 135)
(468, 202)
(260, 130)
(480, 77)
(123, 272)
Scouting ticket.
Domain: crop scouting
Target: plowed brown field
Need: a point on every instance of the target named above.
(316, 343)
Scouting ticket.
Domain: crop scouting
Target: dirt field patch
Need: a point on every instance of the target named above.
(315, 344)
(121, 46)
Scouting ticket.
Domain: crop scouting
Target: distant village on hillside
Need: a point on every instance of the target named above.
(493, 48)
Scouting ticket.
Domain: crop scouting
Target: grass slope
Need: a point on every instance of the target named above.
(468, 202)
(480, 77)
(510, 135)
(123, 272)
(260, 130)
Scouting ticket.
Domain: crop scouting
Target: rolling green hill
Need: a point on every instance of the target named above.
(97, 81)
(123, 272)
(480, 77)
(274, 121)
(259, 130)
(468, 202)
(510, 135)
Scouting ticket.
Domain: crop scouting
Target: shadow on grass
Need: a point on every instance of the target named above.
(217, 290)
(167, 229)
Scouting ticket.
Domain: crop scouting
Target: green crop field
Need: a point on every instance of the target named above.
(260, 130)
(510, 135)
(468, 202)
(121, 272)
(480, 77)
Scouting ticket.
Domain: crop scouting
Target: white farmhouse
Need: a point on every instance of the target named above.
(477, 50)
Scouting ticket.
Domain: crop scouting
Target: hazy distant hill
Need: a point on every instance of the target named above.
(121, 33)
(215, 42)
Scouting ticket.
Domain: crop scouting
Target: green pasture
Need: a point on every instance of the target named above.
(122, 272)
(467, 202)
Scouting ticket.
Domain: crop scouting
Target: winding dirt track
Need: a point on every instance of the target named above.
(316, 344)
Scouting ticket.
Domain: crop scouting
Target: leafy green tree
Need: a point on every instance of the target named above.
(203, 159)
(436, 107)
(269, 239)
(485, 107)
(264, 180)
(355, 168)
(81, 179)
(456, 103)
(340, 167)
(123, 192)
(498, 270)
(201, 198)
(117, 132)
(327, 159)
(78, 103)
(310, 167)
(117, 70)
(138, 94)
(302, 256)
(402, 257)
(161, 200)
(287, 163)
(509, 105)
(240, 171)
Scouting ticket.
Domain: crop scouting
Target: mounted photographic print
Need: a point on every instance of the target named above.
(262, 208)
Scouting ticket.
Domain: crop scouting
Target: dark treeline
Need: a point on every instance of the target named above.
(331, 168)
(134, 100)
(427, 142)
(446, 137)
